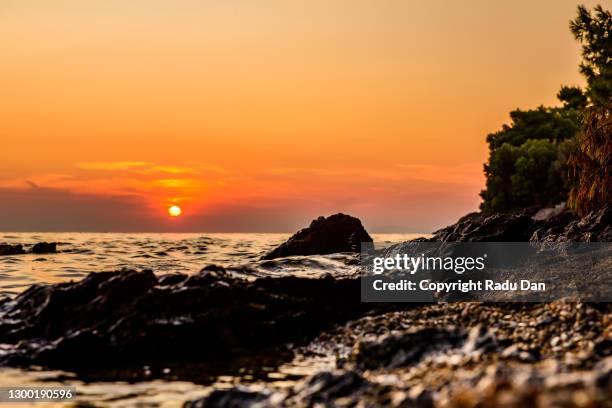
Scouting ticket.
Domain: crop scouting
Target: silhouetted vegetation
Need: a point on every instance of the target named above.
(548, 152)
(592, 162)
(528, 159)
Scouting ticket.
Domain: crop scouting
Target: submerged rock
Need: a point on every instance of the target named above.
(336, 233)
(7, 249)
(44, 248)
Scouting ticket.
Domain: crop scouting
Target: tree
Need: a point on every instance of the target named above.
(522, 173)
(547, 154)
(591, 164)
(552, 124)
(526, 175)
(594, 32)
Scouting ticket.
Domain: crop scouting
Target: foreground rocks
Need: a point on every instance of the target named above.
(129, 317)
(336, 233)
(455, 355)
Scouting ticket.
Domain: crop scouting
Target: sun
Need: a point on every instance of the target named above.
(175, 211)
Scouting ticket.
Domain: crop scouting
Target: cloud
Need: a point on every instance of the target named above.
(50, 209)
(113, 166)
(415, 197)
(142, 167)
(171, 170)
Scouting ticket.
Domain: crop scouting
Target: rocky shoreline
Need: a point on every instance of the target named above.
(447, 354)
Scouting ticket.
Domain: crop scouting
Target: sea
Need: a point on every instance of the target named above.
(80, 254)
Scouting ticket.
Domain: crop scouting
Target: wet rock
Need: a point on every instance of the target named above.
(44, 248)
(336, 233)
(171, 279)
(7, 249)
(232, 398)
(129, 317)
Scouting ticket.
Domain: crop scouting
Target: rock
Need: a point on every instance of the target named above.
(546, 213)
(495, 228)
(7, 249)
(44, 248)
(232, 398)
(556, 225)
(405, 349)
(328, 386)
(594, 227)
(129, 317)
(336, 233)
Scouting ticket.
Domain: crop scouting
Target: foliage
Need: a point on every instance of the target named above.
(591, 164)
(552, 124)
(527, 159)
(548, 153)
(594, 32)
(526, 175)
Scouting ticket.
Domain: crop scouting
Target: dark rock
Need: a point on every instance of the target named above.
(128, 317)
(405, 349)
(336, 233)
(546, 230)
(231, 398)
(594, 227)
(172, 279)
(548, 212)
(321, 389)
(7, 249)
(328, 386)
(495, 228)
(560, 226)
(44, 248)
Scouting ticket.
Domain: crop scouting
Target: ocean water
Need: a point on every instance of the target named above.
(82, 253)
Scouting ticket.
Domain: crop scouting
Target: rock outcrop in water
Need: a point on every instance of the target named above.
(336, 233)
(7, 249)
(44, 248)
(38, 248)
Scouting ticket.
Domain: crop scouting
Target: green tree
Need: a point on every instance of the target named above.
(526, 175)
(521, 173)
(552, 124)
(594, 32)
(548, 153)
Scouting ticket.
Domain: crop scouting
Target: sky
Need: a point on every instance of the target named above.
(260, 116)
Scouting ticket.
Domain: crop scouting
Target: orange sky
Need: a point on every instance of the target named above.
(259, 116)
